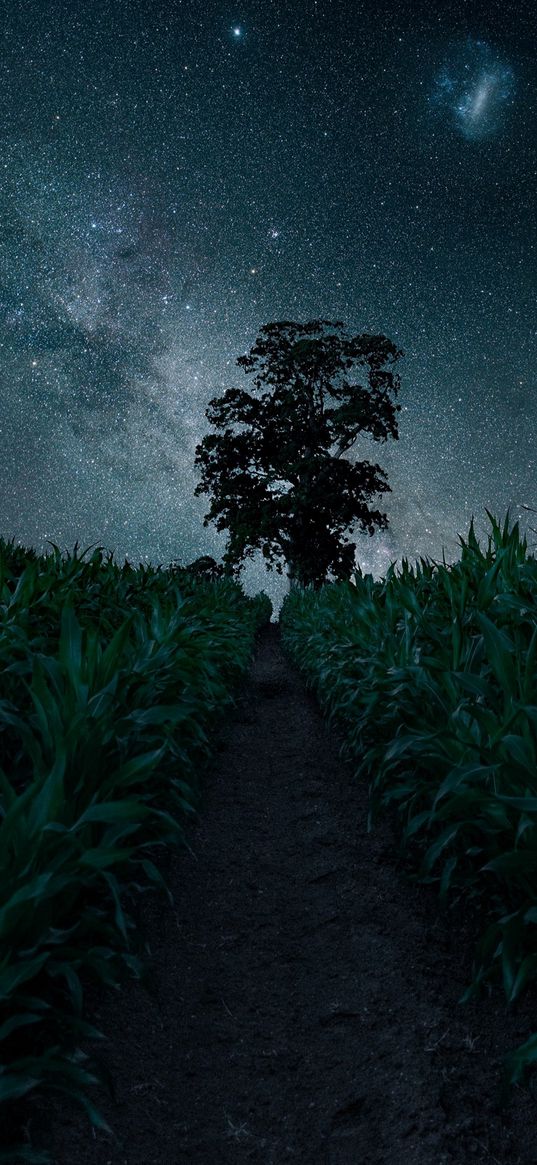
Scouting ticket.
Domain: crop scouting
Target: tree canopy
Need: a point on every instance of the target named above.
(276, 470)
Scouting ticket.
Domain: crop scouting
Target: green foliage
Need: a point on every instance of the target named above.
(279, 483)
(111, 682)
(431, 672)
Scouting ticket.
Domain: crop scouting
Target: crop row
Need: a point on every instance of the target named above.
(431, 673)
(112, 681)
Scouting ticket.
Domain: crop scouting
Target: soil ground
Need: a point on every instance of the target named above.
(304, 1002)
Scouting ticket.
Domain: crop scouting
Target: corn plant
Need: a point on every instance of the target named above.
(111, 684)
(432, 674)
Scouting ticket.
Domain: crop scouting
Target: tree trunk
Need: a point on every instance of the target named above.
(294, 582)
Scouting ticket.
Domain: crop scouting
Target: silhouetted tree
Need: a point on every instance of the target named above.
(206, 567)
(276, 471)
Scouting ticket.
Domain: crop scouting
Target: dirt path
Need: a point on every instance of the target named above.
(305, 993)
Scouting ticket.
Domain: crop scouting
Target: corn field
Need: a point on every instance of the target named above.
(112, 680)
(431, 673)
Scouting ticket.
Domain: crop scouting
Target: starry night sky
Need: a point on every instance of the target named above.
(176, 175)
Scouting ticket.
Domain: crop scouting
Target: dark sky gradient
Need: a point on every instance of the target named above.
(176, 175)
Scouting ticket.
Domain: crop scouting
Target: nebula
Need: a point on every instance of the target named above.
(474, 89)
